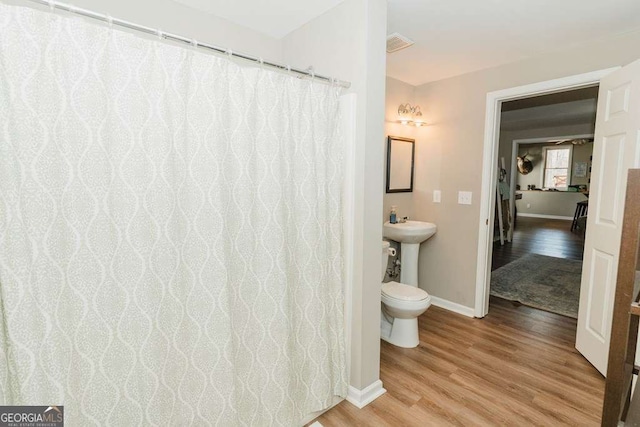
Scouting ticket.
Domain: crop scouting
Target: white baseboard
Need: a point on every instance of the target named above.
(361, 398)
(529, 215)
(453, 306)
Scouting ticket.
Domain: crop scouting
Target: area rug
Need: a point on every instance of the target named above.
(547, 283)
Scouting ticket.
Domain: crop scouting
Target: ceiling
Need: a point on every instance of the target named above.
(552, 98)
(275, 18)
(565, 114)
(452, 37)
(575, 107)
(455, 37)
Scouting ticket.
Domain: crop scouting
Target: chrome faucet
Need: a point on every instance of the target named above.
(403, 220)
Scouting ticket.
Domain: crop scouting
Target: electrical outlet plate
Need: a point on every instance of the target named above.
(437, 196)
(464, 197)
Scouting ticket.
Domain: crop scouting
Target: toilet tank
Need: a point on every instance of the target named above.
(385, 258)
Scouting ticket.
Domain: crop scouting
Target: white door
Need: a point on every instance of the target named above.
(615, 150)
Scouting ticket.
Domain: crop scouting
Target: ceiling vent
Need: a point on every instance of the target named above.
(396, 42)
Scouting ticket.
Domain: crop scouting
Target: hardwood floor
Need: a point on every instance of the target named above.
(517, 367)
(550, 237)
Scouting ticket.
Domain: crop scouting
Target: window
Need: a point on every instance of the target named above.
(556, 167)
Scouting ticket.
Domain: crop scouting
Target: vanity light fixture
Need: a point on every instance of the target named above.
(409, 114)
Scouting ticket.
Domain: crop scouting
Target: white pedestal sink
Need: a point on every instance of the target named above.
(410, 234)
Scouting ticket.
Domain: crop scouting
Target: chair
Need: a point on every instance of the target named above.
(581, 210)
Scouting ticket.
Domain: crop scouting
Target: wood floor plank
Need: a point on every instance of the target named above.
(500, 370)
(543, 236)
(519, 409)
(566, 414)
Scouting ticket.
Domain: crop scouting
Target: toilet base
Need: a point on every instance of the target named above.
(401, 333)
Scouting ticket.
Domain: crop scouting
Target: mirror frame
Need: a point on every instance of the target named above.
(390, 187)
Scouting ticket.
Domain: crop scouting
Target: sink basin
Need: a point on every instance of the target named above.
(409, 232)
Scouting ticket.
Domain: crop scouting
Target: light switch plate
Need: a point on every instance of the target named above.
(437, 196)
(464, 197)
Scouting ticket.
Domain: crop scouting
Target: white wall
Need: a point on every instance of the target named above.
(179, 19)
(507, 138)
(427, 159)
(451, 155)
(549, 203)
(534, 152)
(581, 154)
(553, 203)
(397, 93)
(349, 42)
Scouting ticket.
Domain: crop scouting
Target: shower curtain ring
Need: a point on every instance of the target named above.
(229, 52)
(159, 33)
(194, 43)
(52, 5)
(311, 72)
(110, 21)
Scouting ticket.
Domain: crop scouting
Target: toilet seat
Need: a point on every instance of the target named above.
(402, 292)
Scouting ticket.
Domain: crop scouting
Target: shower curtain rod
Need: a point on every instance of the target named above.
(174, 37)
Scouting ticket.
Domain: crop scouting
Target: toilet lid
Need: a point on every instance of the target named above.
(403, 292)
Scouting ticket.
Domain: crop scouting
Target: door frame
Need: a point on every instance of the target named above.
(490, 165)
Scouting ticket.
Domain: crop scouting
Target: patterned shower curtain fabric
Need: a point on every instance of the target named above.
(170, 231)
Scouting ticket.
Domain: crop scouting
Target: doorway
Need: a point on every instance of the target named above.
(615, 152)
(544, 156)
(495, 101)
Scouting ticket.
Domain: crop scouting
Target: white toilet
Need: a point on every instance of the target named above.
(401, 306)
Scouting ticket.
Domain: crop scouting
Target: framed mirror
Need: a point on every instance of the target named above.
(400, 157)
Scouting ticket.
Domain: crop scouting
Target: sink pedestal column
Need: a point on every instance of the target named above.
(409, 263)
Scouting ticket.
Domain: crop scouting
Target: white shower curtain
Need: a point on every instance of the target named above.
(170, 231)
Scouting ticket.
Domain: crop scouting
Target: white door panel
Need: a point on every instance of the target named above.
(615, 150)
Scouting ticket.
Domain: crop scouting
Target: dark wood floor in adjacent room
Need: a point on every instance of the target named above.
(551, 237)
(516, 367)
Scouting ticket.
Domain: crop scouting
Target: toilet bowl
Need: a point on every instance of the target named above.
(401, 306)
